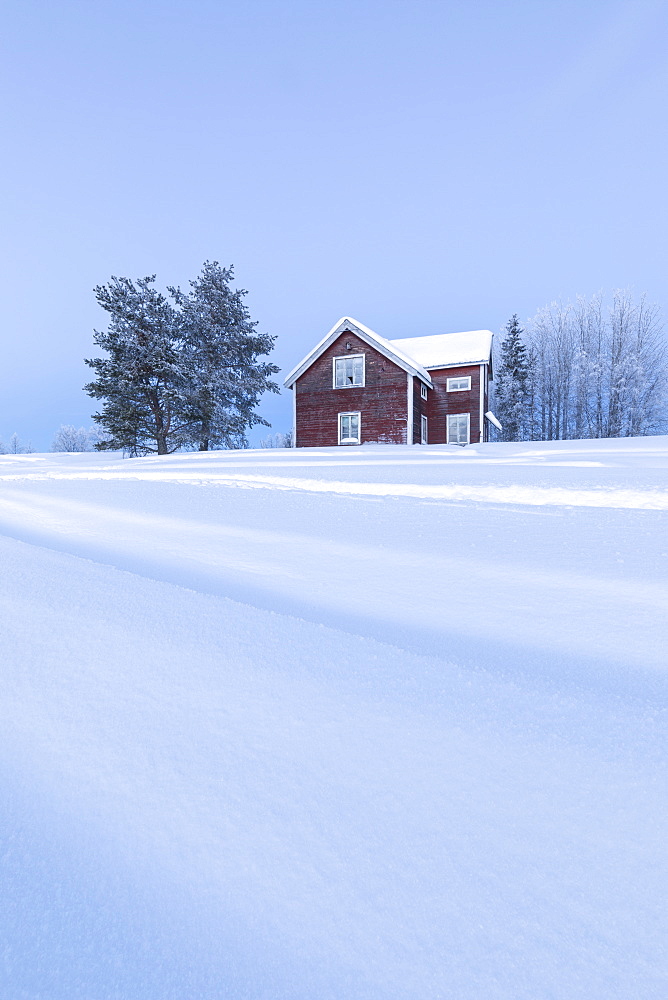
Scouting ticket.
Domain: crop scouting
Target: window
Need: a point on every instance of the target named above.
(459, 384)
(349, 428)
(458, 428)
(423, 391)
(348, 371)
(423, 430)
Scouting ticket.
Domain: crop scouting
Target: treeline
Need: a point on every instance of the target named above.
(583, 370)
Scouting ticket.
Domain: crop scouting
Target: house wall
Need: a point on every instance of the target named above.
(419, 408)
(382, 401)
(441, 402)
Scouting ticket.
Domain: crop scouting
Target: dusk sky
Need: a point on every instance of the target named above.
(422, 166)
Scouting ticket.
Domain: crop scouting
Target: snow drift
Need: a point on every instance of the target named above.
(385, 723)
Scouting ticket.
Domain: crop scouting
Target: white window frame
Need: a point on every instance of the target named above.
(468, 428)
(450, 387)
(349, 357)
(423, 391)
(349, 440)
(424, 430)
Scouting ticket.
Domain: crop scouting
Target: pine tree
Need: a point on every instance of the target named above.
(141, 380)
(511, 378)
(179, 373)
(224, 378)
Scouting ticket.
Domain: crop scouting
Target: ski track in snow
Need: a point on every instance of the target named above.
(438, 771)
(537, 496)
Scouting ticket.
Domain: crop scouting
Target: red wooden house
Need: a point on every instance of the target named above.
(356, 387)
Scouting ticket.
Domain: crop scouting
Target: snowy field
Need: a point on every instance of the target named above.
(335, 724)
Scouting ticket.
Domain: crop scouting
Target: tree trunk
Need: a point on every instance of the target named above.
(161, 425)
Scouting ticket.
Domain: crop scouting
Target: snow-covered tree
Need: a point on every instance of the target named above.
(595, 372)
(179, 373)
(141, 381)
(277, 440)
(637, 373)
(70, 438)
(552, 341)
(16, 447)
(224, 378)
(510, 378)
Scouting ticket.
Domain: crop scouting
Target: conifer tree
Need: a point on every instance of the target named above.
(141, 381)
(511, 384)
(223, 377)
(179, 373)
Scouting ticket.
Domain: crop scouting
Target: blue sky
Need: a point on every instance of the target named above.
(422, 166)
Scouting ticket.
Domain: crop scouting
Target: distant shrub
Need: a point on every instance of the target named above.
(15, 446)
(69, 438)
(277, 440)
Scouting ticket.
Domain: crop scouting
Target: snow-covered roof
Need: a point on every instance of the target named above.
(444, 350)
(391, 349)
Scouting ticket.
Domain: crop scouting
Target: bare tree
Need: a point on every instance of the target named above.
(552, 339)
(15, 447)
(597, 374)
(638, 360)
(69, 438)
(277, 440)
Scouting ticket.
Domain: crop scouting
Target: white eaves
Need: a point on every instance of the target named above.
(391, 349)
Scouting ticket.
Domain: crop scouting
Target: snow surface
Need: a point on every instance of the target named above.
(377, 723)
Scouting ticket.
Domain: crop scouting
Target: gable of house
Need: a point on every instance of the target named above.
(347, 325)
(377, 401)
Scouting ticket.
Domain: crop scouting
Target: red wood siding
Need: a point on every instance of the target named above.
(382, 402)
(419, 409)
(441, 402)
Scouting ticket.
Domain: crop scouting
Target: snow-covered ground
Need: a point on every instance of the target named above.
(368, 723)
